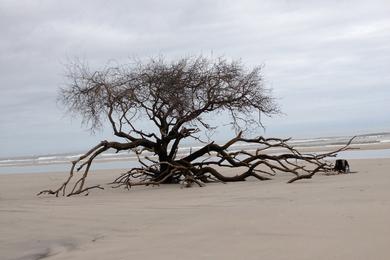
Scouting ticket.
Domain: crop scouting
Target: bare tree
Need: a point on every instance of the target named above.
(176, 98)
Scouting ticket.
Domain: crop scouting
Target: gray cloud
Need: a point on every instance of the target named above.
(327, 62)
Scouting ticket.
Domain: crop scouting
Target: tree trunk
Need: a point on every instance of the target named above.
(165, 169)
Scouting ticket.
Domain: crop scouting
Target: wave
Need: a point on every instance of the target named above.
(126, 156)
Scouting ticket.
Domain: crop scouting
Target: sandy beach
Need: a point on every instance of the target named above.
(328, 217)
(276, 98)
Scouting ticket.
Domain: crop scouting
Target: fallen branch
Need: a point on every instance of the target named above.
(190, 170)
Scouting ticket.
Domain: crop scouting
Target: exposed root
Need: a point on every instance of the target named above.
(189, 170)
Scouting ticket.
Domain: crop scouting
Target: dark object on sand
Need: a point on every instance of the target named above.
(341, 166)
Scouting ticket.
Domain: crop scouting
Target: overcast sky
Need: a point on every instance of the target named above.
(328, 62)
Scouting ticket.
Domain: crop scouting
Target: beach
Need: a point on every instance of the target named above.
(342, 216)
(189, 130)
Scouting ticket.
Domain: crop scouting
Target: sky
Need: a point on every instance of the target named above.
(326, 61)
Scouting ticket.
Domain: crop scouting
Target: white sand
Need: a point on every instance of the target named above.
(328, 217)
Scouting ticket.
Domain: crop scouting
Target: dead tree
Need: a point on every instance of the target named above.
(176, 98)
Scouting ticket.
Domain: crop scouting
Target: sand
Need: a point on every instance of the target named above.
(328, 217)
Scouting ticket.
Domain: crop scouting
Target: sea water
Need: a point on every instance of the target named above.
(125, 160)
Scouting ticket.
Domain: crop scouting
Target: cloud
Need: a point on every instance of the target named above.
(329, 59)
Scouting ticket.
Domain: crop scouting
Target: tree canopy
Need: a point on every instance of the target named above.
(170, 94)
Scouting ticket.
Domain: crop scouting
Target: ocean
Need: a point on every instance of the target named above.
(126, 160)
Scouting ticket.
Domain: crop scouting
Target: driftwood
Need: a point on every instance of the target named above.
(176, 98)
(207, 164)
